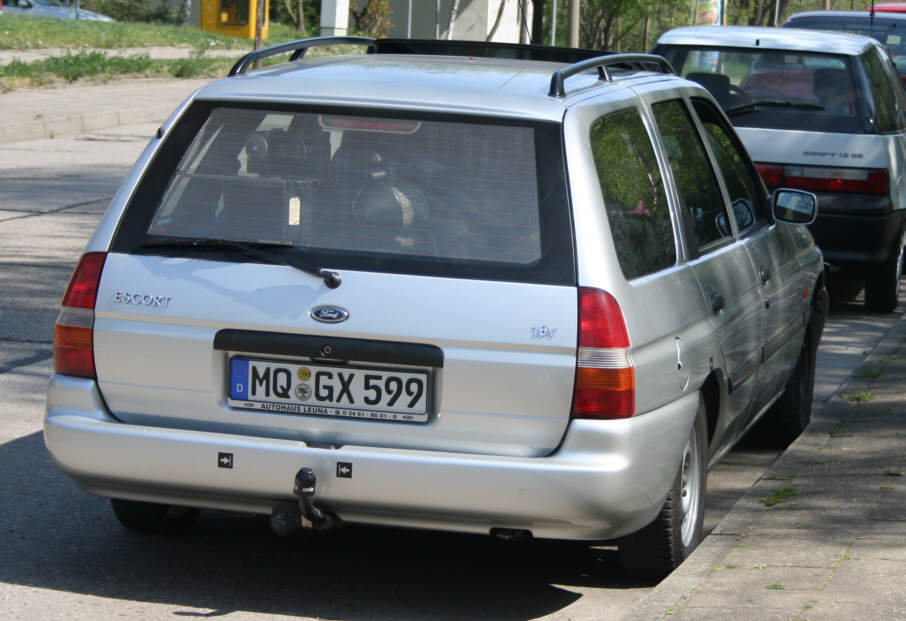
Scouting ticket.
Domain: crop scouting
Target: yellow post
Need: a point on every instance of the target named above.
(233, 17)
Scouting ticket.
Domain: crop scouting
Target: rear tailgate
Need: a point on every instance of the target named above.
(495, 390)
(454, 323)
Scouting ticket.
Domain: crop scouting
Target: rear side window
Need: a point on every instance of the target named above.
(402, 194)
(634, 194)
(887, 114)
(696, 182)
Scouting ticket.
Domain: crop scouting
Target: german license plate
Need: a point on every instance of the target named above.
(326, 390)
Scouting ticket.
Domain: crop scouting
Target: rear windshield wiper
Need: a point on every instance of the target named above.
(772, 103)
(255, 250)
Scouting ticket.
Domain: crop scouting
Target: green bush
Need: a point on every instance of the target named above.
(133, 11)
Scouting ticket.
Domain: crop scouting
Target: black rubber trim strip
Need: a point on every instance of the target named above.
(329, 347)
(742, 374)
(777, 342)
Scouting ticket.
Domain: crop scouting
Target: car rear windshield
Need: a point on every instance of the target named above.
(462, 197)
(776, 89)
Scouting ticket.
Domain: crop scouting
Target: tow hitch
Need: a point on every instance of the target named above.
(287, 517)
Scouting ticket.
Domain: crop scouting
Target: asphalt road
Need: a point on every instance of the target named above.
(62, 554)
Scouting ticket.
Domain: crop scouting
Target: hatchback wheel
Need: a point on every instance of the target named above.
(657, 549)
(882, 290)
(149, 517)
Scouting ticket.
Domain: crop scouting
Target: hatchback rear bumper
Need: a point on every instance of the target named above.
(857, 243)
(607, 478)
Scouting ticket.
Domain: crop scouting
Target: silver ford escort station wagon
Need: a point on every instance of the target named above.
(487, 288)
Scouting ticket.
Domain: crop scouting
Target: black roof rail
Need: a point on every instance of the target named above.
(601, 63)
(579, 59)
(298, 48)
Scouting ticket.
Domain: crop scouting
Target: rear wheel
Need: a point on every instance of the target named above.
(657, 549)
(790, 415)
(882, 289)
(843, 290)
(149, 517)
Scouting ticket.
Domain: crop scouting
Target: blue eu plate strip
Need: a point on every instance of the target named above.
(239, 379)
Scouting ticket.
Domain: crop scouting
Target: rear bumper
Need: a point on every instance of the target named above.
(608, 478)
(856, 243)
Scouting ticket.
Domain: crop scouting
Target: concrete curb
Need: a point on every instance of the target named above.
(76, 124)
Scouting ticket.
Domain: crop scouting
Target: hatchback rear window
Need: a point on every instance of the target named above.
(776, 89)
(404, 194)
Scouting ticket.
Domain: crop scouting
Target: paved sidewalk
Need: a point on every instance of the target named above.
(833, 546)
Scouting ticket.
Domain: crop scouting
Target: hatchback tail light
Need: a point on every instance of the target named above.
(825, 179)
(73, 339)
(605, 378)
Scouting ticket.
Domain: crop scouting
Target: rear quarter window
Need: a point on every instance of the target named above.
(633, 191)
(884, 93)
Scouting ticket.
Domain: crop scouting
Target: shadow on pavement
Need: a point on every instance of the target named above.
(54, 536)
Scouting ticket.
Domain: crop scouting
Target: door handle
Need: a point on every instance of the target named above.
(717, 302)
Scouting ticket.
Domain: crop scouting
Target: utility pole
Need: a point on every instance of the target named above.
(259, 22)
(574, 23)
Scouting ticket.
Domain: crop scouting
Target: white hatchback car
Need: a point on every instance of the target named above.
(824, 112)
(485, 288)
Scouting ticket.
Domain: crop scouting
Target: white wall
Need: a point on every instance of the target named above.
(473, 22)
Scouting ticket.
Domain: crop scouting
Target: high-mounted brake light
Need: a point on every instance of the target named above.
(605, 377)
(73, 342)
(825, 178)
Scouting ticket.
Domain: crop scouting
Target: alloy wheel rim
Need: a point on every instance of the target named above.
(690, 493)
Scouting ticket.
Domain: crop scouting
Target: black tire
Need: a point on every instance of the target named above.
(882, 289)
(790, 415)
(842, 290)
(660, 547)
(149, 517)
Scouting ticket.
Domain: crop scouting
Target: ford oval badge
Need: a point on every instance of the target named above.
(329, 314)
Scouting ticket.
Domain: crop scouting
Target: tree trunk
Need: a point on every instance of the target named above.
(538, 21)
(186, 12)
(574, 23)
(259, 25)
(497, 20)
(647, 32)
(301, 10)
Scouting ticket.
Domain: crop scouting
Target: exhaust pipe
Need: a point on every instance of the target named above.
(286, 518)
(511, 534)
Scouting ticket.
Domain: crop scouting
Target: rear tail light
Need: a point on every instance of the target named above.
(825, 179)
(772, 174)
(605, 378)
(73, 342)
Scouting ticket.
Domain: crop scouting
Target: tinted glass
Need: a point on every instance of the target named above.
(696, 183)
(633, 194)
(776, 89)
(401, 194)
(739, 176)
(883, 95)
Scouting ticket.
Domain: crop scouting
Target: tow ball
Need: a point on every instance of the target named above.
(286, 517)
